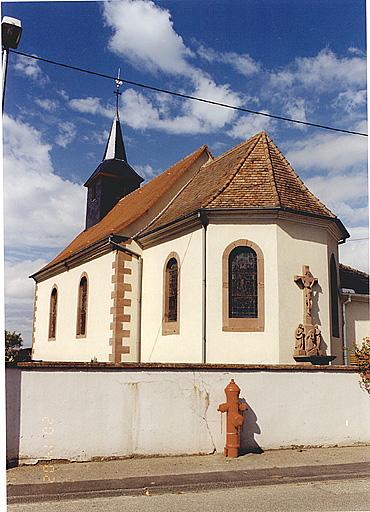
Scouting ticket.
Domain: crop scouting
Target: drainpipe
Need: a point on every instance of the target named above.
(204, 220)
(140, 292)
(140, 287)
(348, 292)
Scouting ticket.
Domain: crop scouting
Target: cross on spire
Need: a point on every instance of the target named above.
(117, 92)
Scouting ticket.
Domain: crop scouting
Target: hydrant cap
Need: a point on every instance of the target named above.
(232, 387)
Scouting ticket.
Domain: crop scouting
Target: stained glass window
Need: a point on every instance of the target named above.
(172, 280)
(82, 307)
(53, 313)
(243, 301)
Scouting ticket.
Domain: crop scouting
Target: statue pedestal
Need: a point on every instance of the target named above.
(318, 360)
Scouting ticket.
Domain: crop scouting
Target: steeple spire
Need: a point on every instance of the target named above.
(114, 177)
(115, 148)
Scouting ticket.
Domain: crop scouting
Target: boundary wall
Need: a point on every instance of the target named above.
(85, 411)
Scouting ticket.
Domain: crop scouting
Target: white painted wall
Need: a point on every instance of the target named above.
(357, 320)
(187, 345)
(297, 245)
(66, 346)
(242, 347)
(81, 414)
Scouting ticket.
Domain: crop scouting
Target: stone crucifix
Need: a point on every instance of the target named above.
(307, 281)
(307, 335)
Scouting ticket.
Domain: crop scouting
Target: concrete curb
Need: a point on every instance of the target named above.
(136, 486)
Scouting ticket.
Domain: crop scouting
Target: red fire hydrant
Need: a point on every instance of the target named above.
(234, 420)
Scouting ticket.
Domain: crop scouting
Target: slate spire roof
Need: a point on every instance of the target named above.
(115, 147)
(115, 159)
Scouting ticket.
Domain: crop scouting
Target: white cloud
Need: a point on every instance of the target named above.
(336, 188)
(143, 32)
(67, 133)
(41, 209)
(295, 108)
(19, 289)
(324, 72)
(30, 68)
(241, 62)
(336, 165)
(142, 112)
(99, 137)
(19, 294)
(146, 171)
(350, 100)
(333, 152)
(48, 105)
(248, 125)
(42, 213)
(356, 51)
(356, 253)
(91, 105)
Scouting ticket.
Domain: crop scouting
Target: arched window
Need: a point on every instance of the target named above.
(243, 300)
(82, 307)
(53, 313)
(243, 295)
(334, 297)
(171, 281)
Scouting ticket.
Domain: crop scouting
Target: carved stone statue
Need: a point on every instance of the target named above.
(300, 340)
(307, 281)
(313, 341)
(307, 336)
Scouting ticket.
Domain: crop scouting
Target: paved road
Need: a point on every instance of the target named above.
(333, 495)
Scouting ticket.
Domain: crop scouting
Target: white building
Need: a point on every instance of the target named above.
(198, 265)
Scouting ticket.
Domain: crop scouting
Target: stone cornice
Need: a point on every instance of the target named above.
(103, 246)
(67, 365)
(239, 215)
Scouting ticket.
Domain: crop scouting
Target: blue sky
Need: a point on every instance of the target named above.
(301, 59)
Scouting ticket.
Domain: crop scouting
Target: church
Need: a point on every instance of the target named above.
(227, 259)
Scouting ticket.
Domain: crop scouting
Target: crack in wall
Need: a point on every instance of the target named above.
(207, 401)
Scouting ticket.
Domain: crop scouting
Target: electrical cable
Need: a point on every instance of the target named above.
(187, 96)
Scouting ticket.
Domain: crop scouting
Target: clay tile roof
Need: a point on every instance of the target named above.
(130, 208)
(354, 279)
(254, 174)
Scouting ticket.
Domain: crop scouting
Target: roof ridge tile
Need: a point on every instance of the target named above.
(300, 181)
(271, 167)
(235, 148)
(238, 167)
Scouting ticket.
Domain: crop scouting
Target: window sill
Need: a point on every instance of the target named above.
(170, 328)
(243, 325)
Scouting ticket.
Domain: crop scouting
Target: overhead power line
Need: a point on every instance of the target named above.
(187, 96)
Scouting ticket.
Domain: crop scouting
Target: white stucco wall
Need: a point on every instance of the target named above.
(357, 320)
(242, 347)
(67, 346)
(80, 414)
(298, 245)
(187, 345)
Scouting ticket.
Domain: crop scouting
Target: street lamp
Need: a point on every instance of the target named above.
(11, 31)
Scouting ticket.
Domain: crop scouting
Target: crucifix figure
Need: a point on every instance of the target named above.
(307, 281)
(307, 335)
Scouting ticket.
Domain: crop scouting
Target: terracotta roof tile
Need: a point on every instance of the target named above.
(254, 174)
(131, 207)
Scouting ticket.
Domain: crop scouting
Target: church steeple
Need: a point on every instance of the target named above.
(115, 147)
(114, 178)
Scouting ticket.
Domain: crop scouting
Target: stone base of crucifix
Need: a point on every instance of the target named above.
(307, 335)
